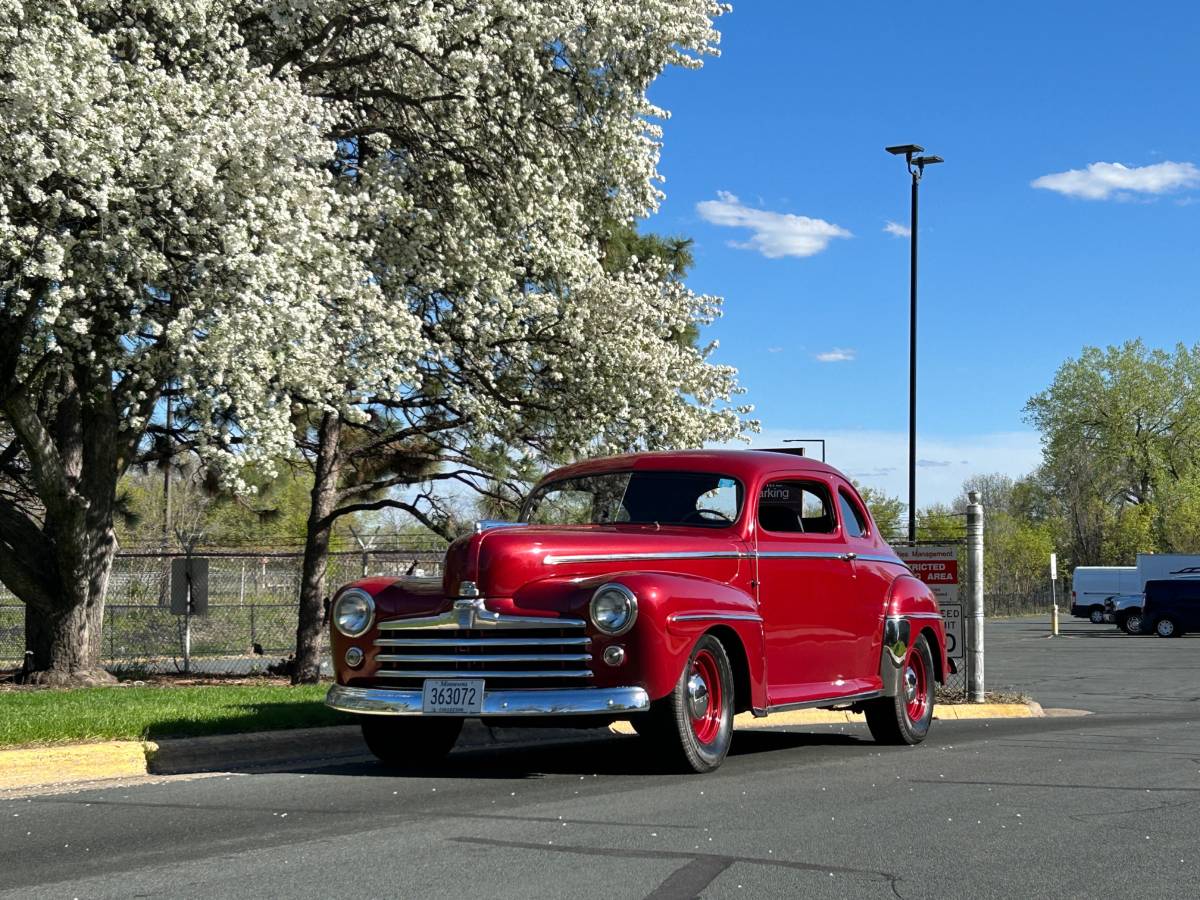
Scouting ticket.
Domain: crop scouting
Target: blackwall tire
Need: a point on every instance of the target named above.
(1132, 624)
(693, 725)
(905, 718)
(1097, 617)
(410, 741)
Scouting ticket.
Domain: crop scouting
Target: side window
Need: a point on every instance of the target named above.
(798, 507)
(719, 503)
(852, 517)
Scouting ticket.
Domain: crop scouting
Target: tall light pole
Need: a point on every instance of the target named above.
(916, 168)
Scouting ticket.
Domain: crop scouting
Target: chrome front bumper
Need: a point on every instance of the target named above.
(556, 702)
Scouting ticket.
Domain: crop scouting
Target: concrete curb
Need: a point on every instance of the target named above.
(747, 722)
(72, 763)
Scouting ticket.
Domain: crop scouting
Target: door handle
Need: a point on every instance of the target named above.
(850, 557)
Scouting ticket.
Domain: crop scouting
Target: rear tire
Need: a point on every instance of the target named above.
(401, 741)
(693, 725)
(1132, 623)
(905, 718)
(1166, 628)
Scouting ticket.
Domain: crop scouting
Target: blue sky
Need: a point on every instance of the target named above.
(792, 120)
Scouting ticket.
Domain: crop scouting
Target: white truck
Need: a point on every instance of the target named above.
(1157, 566)
(1092, 585)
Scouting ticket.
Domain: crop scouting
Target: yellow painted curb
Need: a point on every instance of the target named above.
(746, 721)
(73, 762)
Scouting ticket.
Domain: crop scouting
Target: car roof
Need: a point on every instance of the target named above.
(743, 465)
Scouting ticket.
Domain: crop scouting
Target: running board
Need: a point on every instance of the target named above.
(760, 712)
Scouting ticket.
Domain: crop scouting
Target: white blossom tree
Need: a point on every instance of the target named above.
(167, 221)
(492, 145)
(385, 216)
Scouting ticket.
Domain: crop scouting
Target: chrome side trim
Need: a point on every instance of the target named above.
(472, 612)
(487, 673)
(919, 615)
(554, 702)
(826, 701)
(484, 657)
(707, 617)
(553, 560)
(801, 554)
(484, 642)
(896, 561)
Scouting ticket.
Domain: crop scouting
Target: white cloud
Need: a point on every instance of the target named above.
(774, 349)
(837, 354)
(775, 234)
(879, 459)
(898, 230)
(1102, 180)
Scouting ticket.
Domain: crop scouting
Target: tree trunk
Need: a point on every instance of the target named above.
(64, 613)
(59, 566)
(309, 628)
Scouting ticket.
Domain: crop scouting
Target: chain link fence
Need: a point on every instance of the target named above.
(253, 597)
(252, 608)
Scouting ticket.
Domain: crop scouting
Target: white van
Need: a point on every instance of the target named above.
(1092, 585)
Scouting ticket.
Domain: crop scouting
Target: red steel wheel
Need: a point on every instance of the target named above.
(916, 686)
(693, 725)
(705, 701)
(905, 718)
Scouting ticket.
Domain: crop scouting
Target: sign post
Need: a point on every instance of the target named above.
(1054, 594)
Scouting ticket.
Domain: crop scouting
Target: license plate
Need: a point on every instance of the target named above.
(452, 696)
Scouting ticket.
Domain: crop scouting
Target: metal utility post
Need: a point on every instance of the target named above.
(166, 467)
(1054, 594)
(975, 690)
(916, 168)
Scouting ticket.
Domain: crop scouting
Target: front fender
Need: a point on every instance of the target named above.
(674, 610)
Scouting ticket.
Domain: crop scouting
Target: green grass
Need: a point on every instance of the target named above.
(141, 712)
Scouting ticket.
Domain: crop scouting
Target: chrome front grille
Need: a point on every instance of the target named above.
(514, 658)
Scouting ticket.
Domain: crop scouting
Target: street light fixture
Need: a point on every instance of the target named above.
(916, 168)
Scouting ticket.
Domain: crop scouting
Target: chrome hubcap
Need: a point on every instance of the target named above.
(697, 696)
(910, 685)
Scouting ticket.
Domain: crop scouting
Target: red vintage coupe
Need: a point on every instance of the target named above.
(669, 589)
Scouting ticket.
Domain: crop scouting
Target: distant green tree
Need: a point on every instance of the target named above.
(1120, 429)
(887, 511)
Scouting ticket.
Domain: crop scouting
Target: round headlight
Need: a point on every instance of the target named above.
(353, 612)
(613, 608)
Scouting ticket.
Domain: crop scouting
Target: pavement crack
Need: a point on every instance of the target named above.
(689, 880)
(1040, 784)
(713, 859)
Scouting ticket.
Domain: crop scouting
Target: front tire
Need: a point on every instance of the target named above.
(1132, 623)
(401, 741)
(1166, 627)
(905, 718)
(693, 725)
(1097, 616)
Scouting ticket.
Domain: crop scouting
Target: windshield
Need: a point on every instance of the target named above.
(637, 498)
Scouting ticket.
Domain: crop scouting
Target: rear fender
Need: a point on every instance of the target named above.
(911, 611)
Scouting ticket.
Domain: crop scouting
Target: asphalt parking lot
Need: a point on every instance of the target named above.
(1099, 806)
